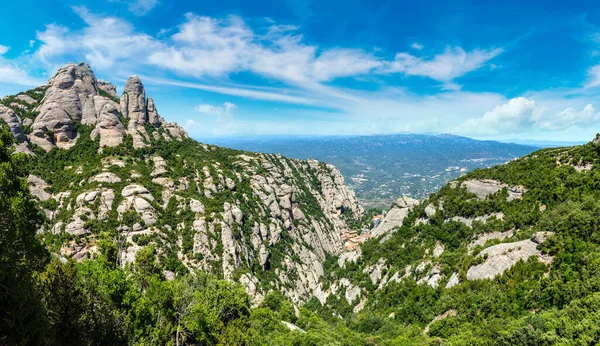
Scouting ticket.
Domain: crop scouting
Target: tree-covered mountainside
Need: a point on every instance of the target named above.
(382, 167)
(502, 256)
(118, 229)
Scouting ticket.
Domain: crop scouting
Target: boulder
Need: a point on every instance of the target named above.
(395, 217)
(486, 187)
(26, 98)
(13, 122)
(106, 177)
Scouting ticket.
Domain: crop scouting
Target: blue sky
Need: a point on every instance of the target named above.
(483, 69)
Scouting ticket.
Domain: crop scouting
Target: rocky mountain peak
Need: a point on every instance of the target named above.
(74, 96)
(79, 76)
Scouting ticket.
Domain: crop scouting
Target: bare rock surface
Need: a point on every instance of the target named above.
(108, 87)
(395, 217)
(26, 98)
(484, 188)
(133, 100)
(483, 238)
(106, 177)
(502, 257)
(37, 187)
(13, 122)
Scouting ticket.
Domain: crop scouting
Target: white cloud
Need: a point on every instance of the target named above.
(218, 111)
(31, 43)
(138, 7)
(417, 46)
(224, 122)
(454, 62)
(206, 47)
(593, 79)
(208, 53)
(523, 115)
(3, 49)
(13, 74)
(104, 42)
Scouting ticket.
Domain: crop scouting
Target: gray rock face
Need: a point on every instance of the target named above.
(502, 257)
(73, 95)
(153, 117)
(26, 98)
(109, 126)
(53, 127)
(484, 188)
(14, 125)
(37, 187)
(70, 89)
(395, 217)
(108, 87)
(133, 100)
(454, 280)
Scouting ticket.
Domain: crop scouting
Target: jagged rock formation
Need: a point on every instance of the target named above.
(75, 96)
(108, 87)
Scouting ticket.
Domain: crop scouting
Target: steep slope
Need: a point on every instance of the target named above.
(110, 168)
(494, 247)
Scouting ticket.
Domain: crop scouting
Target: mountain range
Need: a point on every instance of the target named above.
(380, 168)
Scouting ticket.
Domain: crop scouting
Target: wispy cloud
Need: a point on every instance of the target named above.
(3, 49)
(593, 77)
(417, 46)
(204, 46)
(138, 7)
(453, 63)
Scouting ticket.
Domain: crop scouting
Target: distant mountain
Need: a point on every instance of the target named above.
(382, 167)
(543, 143)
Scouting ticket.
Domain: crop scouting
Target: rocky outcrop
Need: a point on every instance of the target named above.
(108, 87)
(14, 124)
(501, 257)
(481, 239)
(109, 126)
(153, 117)
(70, 88)
(38, 187)
(395, 216)
(484, 188)
(133, 101)
(26, 98)
(138, 198)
